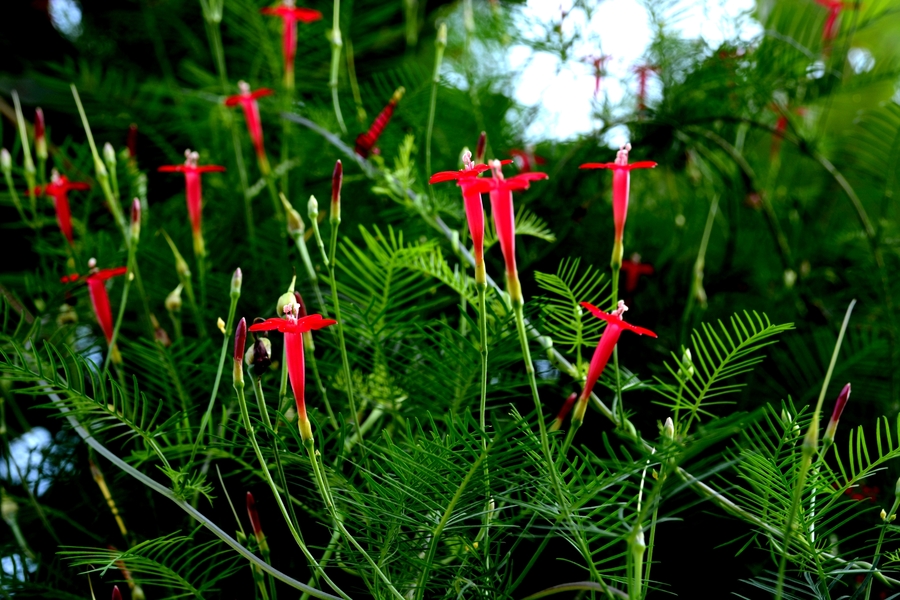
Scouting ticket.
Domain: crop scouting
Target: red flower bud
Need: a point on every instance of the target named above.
(240, 340)
(839, 405)
(480, 147)
(116, 594)
(337, 179)
(131, 142)
(254, 518)
(365, 142)
(40, 137)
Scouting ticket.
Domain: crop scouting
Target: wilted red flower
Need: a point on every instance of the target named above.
(58, 189)
(365, 142)
(614, 328)
(465, 178)
(193, 190)
(96, 282)
(289, 15)
(502, 212)
(564, 411)
(633, 270)
(247, 100)
(599, 63)
(293, 329)
(621, 183)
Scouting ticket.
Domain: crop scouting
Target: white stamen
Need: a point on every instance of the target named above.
(496, 167)
(622, 155)
(291, 311)
(191, 158)
(244, 87)
(92, 263)
(54, 175)
(467, 160)
(620, 309)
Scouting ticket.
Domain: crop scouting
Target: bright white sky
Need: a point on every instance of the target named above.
(622, 28)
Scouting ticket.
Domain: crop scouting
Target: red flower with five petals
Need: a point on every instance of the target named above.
(247, 100)
(293, 329)
(193, 191)
(59, 188)
(290, 14)
(96, 283)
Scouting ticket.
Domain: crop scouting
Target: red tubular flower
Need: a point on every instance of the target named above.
(59, 188)
(96, 282)
(254, 519)
(116, 594)
(834, 10)
(633, 270)
(365, 142)
(293, 327)
(614, 328)
(466, 178)
(599, 62)
(526, 160)
(131, 141)
(564, 411)
(193, 191)
(247, 100)
(40, 137)
(504, 218)
(337, 180)
(289, 16)
(643, 73)
(839, 405)
(621, 183)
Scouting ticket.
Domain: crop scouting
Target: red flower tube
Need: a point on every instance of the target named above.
(58, 189)
(643, 73)
(621, 183)
(839, 405)
(40, 136)
(633, 270)
(254, 519)
(599, 62)
(247, 100)
(465, 178)
(293, 327)
(289, 16)
(614, 328)
(834, 11)
(96, 282)
(502, 212)
(193, 191)
(564, 411)
(365, 142)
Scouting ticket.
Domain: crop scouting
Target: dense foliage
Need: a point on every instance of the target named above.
(425, 457)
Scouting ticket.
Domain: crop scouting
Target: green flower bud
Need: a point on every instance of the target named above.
(5, 161)
(312, 209)
(236, 281)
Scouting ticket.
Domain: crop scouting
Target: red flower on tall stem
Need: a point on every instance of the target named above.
(633, 270)
(293, 329)
(502, 212)
(834, 11)
(247, 100)
(621, 184)
(526, 160)
(599, 63)
(289, 15)
(365, 142)
(59, 188)
(839, 405)
(193, 191)
(643, 73)
(614, 328)
(466, 178)
(96, 283)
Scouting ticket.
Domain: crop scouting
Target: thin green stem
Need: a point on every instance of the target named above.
(325, 492)
(440, 44)
(129, 276)
(336, 44)
(300, 242)
(26, 152)
(15, 198)
(336, 303)
(223, 353)
(251, 434)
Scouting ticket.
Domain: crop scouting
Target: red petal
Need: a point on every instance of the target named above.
(261, 92)
(598, 166)
(596, 311)
(313, 322)
(306, 15)
(77, 185)
(71, 278)
(445, 176)
(172, 169)
(233, 100)
(530, 176)
(645, 164)
(269, 325)
(638, 330)
(105, 274)
(209, 168)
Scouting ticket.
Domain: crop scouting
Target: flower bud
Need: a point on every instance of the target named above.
(839, 405)
(173, 300)
(441, 40)
(109, 156)
(236, 281)
(135, 220)
(40, 135)
(259, 355)
(116, 594)
(687, 365)
(5, 161)
(312, 209)
(480, 147)
(669, 429)
(883, 515)
(257, 525)
(337, 178)
(132, 141)
(240, 340)
(299, 300)
(295, 224)
(8, 507)
(564, 411)
(283, 300)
